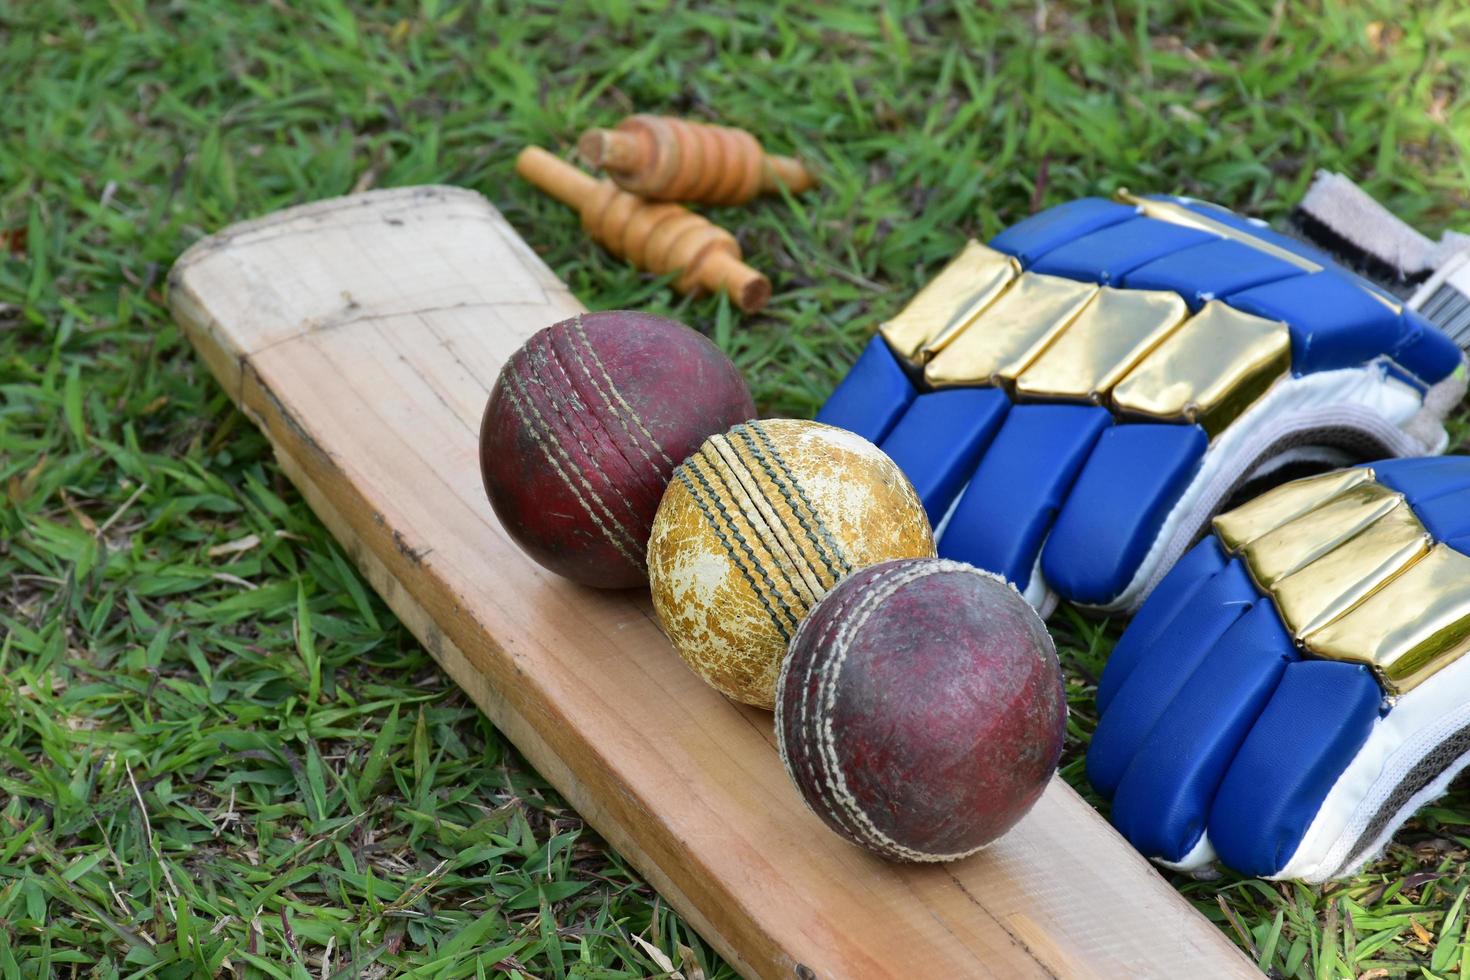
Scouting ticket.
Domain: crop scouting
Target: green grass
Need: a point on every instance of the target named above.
(219, 752)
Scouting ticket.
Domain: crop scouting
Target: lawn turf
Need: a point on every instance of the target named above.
(219, 752)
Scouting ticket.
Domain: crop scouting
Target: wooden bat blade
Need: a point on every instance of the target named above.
(362, 334)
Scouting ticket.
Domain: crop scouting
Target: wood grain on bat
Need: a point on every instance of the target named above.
(363, 334)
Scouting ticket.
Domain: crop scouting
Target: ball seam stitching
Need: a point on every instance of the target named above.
(802, 528)
(608, 389)
(854, 622)
(814, 762)
(595, 420)
(520, 401)
(570, 427)
(824, 766)
(768, 532)
(690, 468)
(762, 535)
(837, 797)
(796, 487)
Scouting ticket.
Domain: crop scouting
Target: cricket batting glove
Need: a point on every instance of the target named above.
(1297, 686)
(1076, 400)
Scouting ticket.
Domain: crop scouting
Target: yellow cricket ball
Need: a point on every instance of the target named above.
(759, 524)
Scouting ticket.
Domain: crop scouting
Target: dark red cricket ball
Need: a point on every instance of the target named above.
(584, 428)
(920, 709)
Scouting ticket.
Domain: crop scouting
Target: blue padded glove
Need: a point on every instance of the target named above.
(1075, 401)
(1297, 687)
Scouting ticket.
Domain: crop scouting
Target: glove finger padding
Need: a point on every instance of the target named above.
(1295, 688)
(1074, 401)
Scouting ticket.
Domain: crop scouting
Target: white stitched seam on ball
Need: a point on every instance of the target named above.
(803, 714)
(569, 426)
(811, 725)
(595, 420)
(858, 619)
(843, 602)
(890, 581)
(771, 528)
(569, 415)
(520, 401)
(627, 414)
(842, 802)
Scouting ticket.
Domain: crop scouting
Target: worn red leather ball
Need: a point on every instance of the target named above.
(920, 710)
(584, 428)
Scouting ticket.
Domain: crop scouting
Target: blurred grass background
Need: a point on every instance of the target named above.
(219, 753)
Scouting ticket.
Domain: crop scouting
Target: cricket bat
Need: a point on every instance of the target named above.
(363, 334)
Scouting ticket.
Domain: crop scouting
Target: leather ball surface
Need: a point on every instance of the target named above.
(583, 428)
(921, 710)
(756, 527)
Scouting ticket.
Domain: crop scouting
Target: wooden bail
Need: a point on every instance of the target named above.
(669, 159)
(658, 238)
